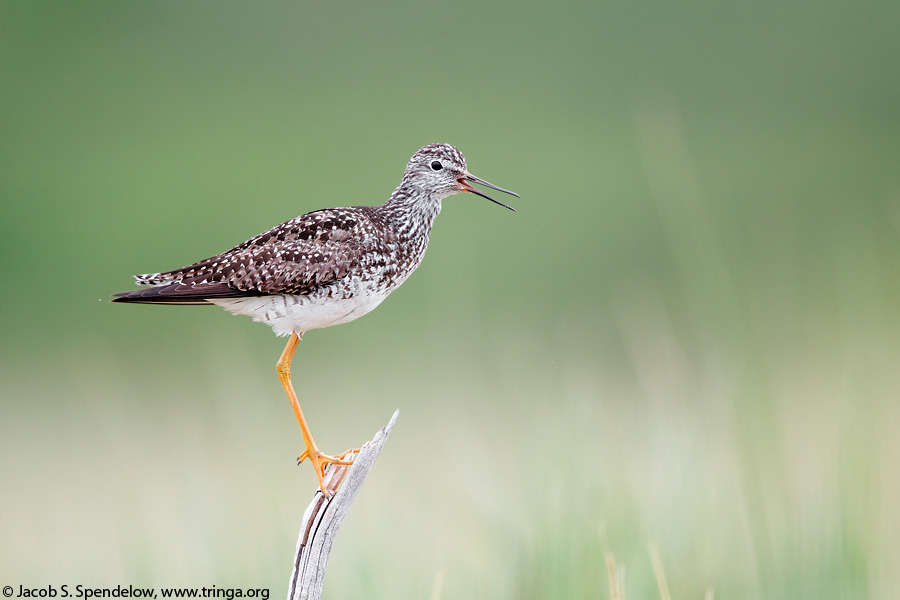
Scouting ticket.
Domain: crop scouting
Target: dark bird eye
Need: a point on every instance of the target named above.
(436, 166)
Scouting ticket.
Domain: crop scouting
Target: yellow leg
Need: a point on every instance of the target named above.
(317, 459)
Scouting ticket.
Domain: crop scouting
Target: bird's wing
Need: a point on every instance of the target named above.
(296, 257)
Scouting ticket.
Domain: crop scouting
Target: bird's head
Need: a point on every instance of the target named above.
(440, 169)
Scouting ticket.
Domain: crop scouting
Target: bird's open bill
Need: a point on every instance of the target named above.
(464, 181)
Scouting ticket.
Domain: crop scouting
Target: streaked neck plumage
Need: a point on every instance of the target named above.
(411, 210)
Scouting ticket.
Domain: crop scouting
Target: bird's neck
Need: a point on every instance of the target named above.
(412, 211)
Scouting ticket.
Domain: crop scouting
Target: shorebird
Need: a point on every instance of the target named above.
(324, 268)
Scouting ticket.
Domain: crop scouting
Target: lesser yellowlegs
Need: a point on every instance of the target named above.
(323, 268)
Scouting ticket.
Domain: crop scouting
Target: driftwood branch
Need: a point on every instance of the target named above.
(324, 515)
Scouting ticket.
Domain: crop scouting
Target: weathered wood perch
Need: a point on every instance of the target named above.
(324, 515)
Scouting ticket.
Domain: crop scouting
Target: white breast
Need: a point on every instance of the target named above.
(287, 314)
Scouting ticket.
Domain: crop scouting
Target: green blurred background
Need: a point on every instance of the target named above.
(687, 336)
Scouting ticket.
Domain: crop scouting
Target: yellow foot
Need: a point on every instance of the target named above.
(320, 461)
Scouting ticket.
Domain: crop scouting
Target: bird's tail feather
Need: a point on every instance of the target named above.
(182, 294)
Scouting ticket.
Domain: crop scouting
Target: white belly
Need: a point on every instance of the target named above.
(288, 314)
